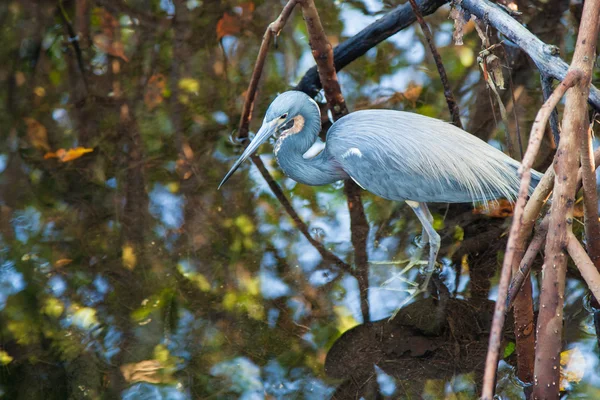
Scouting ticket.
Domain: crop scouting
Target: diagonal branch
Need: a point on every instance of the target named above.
(584, 264)
(273, 30)
(546, 57)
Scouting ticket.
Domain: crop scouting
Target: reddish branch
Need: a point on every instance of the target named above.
(519, 231)
(272, 31)
(452, 105)
(550, 318)
(584, 264)
(590, 200)
(323, 55)
(541, 231)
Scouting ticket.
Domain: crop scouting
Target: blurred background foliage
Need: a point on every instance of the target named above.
(124, 273)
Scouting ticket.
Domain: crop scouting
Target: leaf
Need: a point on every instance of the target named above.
(231, 24)
(5, 358)
(144, 371)
(68, 155)
(572, 367)
(495, 209)
(228, 25)
(37, 134)
(412, 93)
(154, 90)
(62, 262)
(108, 46)
(495, 69)
(189, 85)
(128, 257)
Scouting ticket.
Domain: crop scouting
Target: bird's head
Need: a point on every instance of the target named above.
(287, 115)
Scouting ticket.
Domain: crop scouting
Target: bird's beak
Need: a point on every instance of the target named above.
(265, 132)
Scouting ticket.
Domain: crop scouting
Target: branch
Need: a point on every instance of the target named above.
(525, 266)
(394, 21)
(584, 264)
(520, 229)
(323, 55)
(327, 255)
(575, 124)
(273, 30)
(452, 106)
(544, 56)
(590, 200)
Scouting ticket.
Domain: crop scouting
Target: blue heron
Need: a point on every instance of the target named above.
(396, 155)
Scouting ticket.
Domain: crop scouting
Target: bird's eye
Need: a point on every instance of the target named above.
(284, 116)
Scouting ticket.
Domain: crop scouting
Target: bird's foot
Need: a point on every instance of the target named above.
(415, 289)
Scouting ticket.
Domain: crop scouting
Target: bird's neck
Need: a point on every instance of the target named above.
(316, 171)
(321, 169)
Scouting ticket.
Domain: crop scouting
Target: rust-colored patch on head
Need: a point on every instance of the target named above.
(298, 125)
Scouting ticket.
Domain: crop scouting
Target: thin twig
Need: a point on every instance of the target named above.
(327, 255)
(520, 229)
(545, 56)
(273, 30)
(452, 105)
(539, 238)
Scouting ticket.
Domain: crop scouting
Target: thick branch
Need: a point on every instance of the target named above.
(590, 200)
(394, 21)
(545, 56)
(550, 318)
(584, 264)
(520, 230)
(273, 30)
(323, 55)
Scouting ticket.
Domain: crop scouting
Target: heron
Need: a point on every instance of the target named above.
(397, 155)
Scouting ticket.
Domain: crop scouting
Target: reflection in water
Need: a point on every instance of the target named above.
(124, 273)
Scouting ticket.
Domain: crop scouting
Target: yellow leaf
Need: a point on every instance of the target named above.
(129, 258)
(37, 134)
(5, 358)
(39, 91)
(144, 371)
(63, 261)
(572, 367)
(75, 153)
(68, 155)
(189, 85)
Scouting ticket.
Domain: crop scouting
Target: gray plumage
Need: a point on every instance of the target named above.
(396, 155)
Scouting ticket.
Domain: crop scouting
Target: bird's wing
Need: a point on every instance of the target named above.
(405, 156)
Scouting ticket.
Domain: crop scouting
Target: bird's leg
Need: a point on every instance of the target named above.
(426, 219)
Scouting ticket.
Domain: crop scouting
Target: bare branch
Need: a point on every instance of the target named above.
(546, 57)
(575, 124)
(590, 199)
(272, 30)
(520, 229)
(584, 264)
